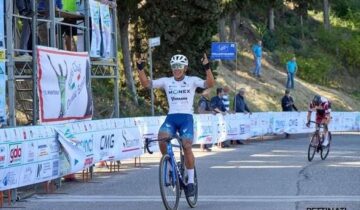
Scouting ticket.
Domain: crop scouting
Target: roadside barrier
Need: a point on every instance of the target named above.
(35, 154)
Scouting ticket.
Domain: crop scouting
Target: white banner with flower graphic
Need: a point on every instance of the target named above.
(63, 85)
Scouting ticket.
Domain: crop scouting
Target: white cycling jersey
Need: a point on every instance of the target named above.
(180, 94)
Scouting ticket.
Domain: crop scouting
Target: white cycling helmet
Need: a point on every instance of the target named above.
(179, 59)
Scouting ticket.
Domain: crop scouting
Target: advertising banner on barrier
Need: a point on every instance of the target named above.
(232, 127)
(131, 143)
(63, 85)
(293, 121)
(34, 154)
(72, 158)
(149, 128)
(244, 126)
(28, 155)
(204, 129)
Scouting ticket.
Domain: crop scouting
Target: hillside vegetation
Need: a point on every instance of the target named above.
(323, 35)
(265, 94)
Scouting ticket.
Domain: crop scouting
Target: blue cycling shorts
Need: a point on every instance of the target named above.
(182, 123)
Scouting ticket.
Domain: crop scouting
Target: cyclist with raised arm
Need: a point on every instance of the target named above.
(180, 92)
(322, 106)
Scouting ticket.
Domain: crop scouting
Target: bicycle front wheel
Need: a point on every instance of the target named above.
(169, 184)
(325, 150)
(312, 147)
(192, 201)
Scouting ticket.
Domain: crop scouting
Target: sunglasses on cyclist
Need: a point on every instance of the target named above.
(177, 66)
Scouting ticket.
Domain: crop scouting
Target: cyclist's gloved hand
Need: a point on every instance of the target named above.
(308, 124)
(205, 63)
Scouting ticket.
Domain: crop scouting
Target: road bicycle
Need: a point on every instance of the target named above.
(172, 174)
(315, 144)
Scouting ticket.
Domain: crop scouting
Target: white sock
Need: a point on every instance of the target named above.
(190, 173)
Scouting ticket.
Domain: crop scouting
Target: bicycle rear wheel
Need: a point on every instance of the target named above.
(312, 147)
(192, 201)
(325, 150)
(169, 184)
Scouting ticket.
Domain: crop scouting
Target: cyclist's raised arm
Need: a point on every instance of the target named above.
(210, 81)
(144, 81)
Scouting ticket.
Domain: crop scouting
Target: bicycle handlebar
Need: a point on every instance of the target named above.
(147, 141)
(168, 139)
(321, 125)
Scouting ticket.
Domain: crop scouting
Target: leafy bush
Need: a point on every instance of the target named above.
(295, 43)
(269, 41)
(329, 39)
(350, 53)
(315, 68)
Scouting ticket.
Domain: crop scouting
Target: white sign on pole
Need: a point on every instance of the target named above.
(153, 42)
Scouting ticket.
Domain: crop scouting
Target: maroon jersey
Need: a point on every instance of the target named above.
(322, 110)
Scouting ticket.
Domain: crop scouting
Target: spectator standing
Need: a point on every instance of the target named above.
(257, 53)
(225, 98)
(288, 105)
(43, 11)
(239, 102)
(291, 67)
(240, 105)
(216, 102)
(218, 106)
(204, 102)
(287, 102)
(25, 9)
(204, 108)
(69, 31)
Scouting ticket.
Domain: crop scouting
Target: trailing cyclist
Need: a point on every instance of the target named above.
(322, 106)
(180, 92)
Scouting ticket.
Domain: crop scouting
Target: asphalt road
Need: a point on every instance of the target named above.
(259, 175)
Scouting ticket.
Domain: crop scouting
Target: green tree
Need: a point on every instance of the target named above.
(125, 10)
(184, 27)
(231, 10)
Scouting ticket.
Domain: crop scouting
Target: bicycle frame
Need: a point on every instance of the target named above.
(170, 152)
(174, 166)
(177, 179)
(318, 132)
(317, 146)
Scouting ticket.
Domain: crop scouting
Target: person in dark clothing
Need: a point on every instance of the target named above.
(25, 9)
(204, 102)
(287, 104)
(216, 102)
(204, 108)
(240, 104)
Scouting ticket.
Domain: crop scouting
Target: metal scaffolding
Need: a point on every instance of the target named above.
(22, 70)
